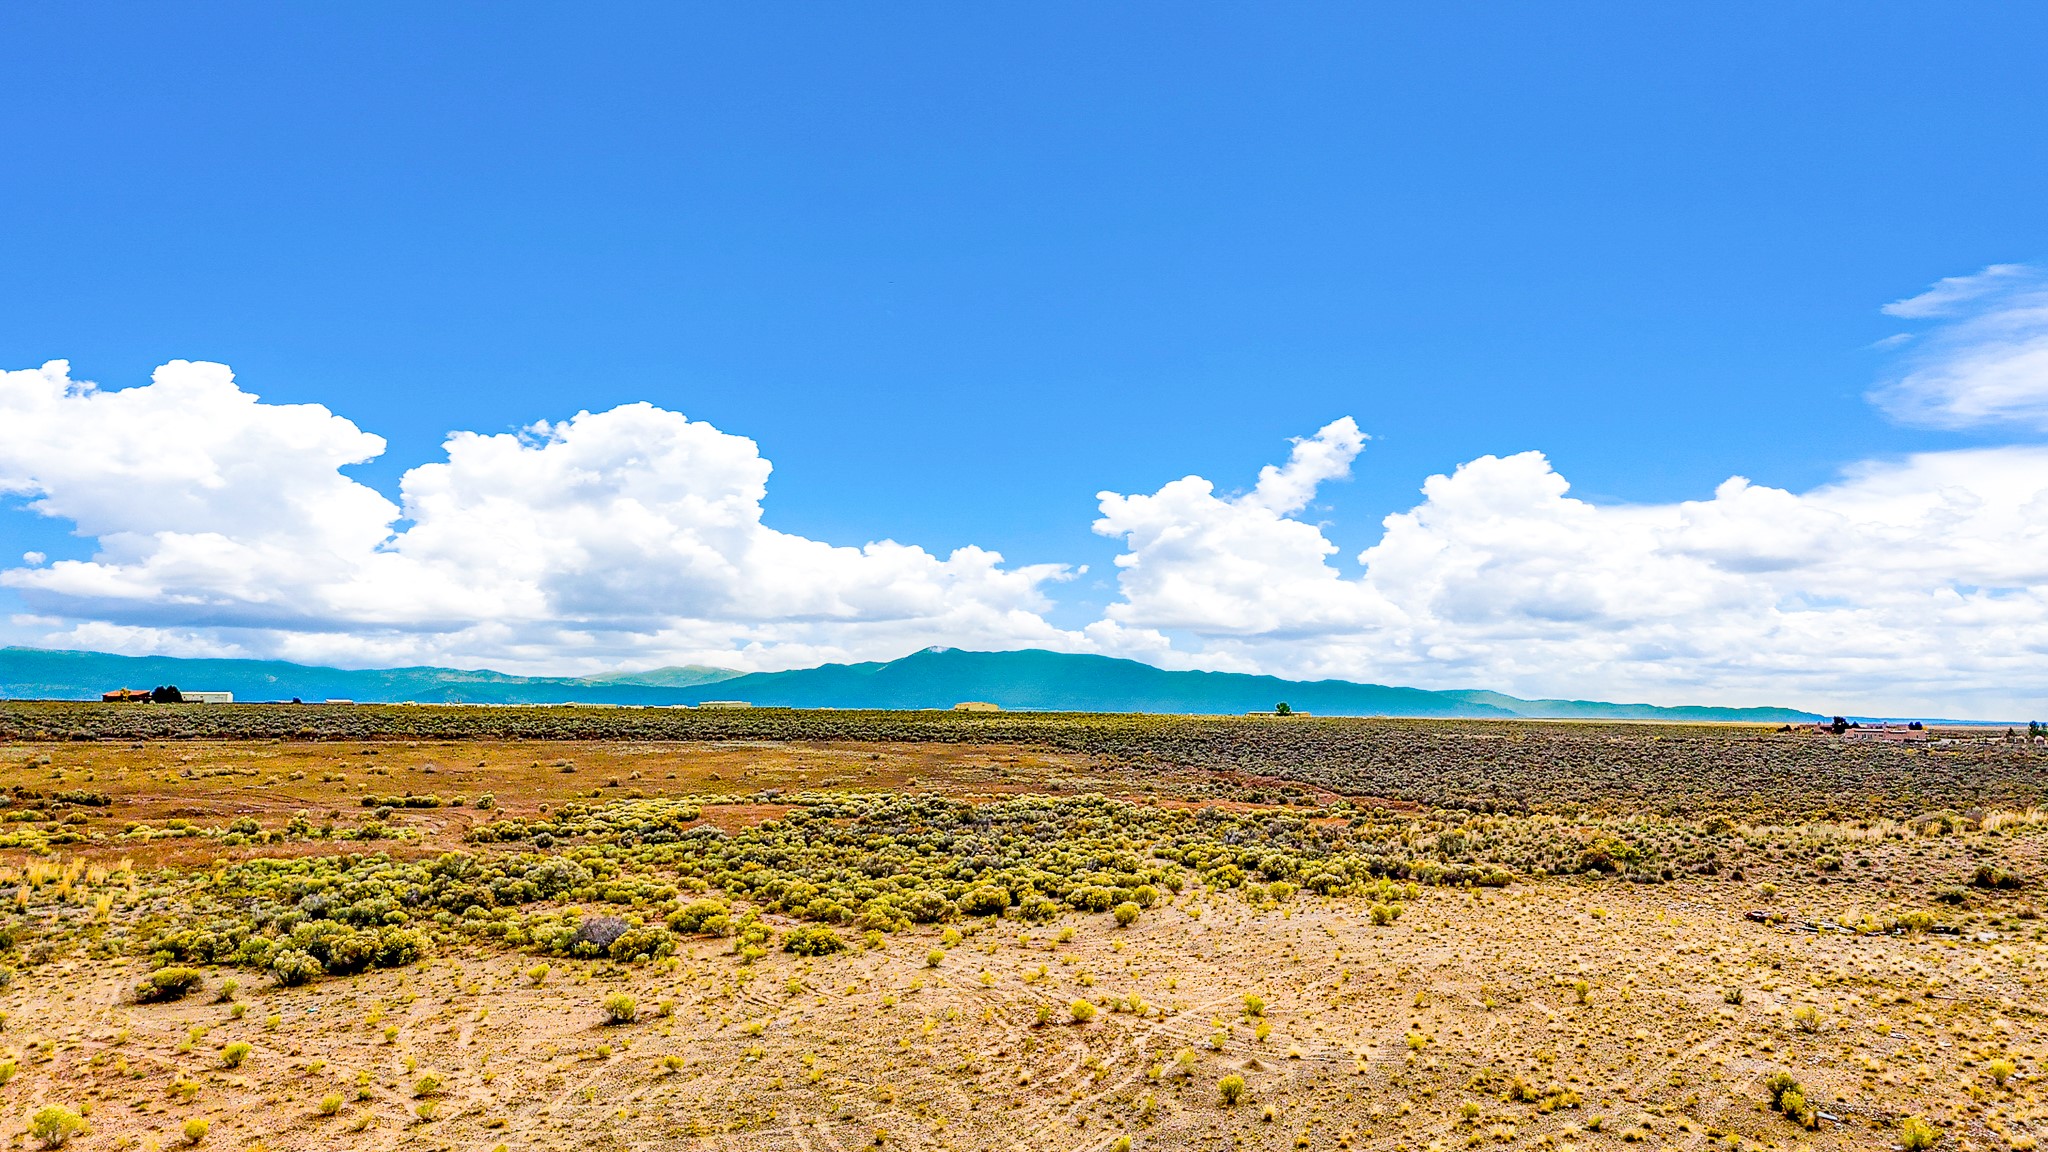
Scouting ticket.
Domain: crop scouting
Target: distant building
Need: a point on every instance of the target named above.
(208, 697)
(1296, 712)
(1886, 734)
(337, 701)
(724, 704)
(977, 706)
(125, 696)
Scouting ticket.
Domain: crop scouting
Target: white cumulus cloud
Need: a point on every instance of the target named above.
(1237, 565)
(1913, 585)
(225, 524)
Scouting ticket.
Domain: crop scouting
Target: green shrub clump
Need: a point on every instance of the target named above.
(53, 1124)
(1232, 1089)
(811, 941)
(291, 967)
(640, 944)
(984, 901)
(702, 918)
(1996, 878)
(1789, 1098)
(172, 983)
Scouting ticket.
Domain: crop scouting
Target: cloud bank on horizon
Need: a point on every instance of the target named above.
(635, 536)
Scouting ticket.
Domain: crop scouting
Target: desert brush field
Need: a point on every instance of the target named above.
(241, 927)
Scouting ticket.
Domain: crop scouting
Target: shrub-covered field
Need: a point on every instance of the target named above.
(1058, 933)
(1669, 770)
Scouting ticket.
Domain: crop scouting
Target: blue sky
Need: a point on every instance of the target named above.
(956, 271)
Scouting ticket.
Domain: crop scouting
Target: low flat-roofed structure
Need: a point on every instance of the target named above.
(1886, 734)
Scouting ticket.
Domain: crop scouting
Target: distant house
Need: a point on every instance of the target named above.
(724, 704)
(1886, 734)
(1292, 713)
(167, 694)
(337, 701)
(977, 706)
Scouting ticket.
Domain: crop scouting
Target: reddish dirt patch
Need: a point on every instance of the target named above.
(733, 817)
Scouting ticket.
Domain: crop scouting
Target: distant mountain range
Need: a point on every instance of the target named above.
(933, 678)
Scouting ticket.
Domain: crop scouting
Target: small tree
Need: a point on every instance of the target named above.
(1283, 708)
